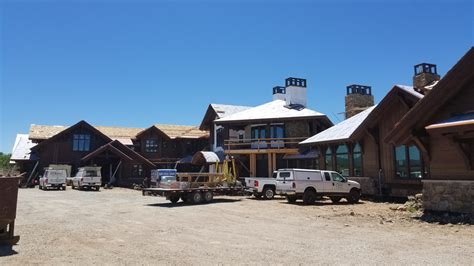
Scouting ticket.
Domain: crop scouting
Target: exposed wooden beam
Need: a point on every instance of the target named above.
(423, 145)
(463, 152)
(262, 151)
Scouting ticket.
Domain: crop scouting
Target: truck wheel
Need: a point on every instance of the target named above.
(174, 199)
(335, 199)
(257, 195)
(354, 196)
(196, 197)
(309, 197)
(185, 199)
(98, 189)
(291, 199)
(208, 196)
(268, 193)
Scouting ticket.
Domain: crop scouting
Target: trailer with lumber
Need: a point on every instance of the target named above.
(197, 187)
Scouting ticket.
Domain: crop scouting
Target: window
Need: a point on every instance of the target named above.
(408, 163)
(220, 137)
(357, 156)
(328, 158)
(259, 132)
(342, 160)
(137, 171)
(151, 145)
(81, 142)
(327, 176)
(337, 177)
(277, 131)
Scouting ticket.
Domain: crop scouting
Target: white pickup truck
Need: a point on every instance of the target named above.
(261, 186)
(309, 184)
(87, 178)
(53, 178)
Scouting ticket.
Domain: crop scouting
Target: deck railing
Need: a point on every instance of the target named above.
(262, 143)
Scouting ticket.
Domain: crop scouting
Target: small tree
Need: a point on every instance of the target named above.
(5, 161)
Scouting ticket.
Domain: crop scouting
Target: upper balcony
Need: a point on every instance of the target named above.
(262, 145)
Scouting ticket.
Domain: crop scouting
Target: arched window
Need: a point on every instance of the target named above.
(342, 160)
(328, 158)
(357, 156)
(408, 162)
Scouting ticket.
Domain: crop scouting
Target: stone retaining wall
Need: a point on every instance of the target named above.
(448, 195)
(367, 184)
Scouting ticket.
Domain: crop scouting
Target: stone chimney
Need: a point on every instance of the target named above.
(295, 92)
(426, 75)
(358, 98)
(279, 93)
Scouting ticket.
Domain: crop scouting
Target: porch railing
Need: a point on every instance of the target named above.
(262, 143)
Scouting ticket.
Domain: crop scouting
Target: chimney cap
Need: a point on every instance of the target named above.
(279, 89)
(295, 82)
(359, 89)
(425, 68)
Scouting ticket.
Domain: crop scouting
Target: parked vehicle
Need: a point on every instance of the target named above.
(87, 178)
(309, 184)
(162, 176)
(53, 178)
(261, 186)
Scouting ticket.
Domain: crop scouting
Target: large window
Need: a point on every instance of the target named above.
(151, 145)
(408, 162)
(328, 158)
(81, 142)
(357, 157)
(220, 137)
(342, 160)
(259, 132)
(277, 131)
(137, 170)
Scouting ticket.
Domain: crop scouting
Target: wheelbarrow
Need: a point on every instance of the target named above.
(8, 203)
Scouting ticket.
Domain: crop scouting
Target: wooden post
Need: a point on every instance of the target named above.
(253, 165)
(270, 167)
(274, 163)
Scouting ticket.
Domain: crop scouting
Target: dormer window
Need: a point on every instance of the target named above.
(81, 142)
(151, 145)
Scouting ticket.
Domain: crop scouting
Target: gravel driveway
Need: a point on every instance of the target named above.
(120, 226)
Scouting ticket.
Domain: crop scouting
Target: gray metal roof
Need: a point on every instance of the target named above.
(341, 131)
(224, 110)
(21, 148)
(272, 110)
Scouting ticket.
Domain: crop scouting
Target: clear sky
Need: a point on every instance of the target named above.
(136, 63)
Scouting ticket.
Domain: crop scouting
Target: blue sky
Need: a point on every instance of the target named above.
(139, 63)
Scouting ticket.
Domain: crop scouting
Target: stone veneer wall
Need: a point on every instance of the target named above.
(367, 184)
(448, 195)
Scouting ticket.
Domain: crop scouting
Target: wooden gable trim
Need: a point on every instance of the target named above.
(154, 128)
(210, 112)
(454, 81)
(105, 147)
(69, 130)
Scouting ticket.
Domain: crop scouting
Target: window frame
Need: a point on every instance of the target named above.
(81, 142)
(408, 162)
(149, 148)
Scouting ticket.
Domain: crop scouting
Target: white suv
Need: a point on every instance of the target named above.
(309, 184)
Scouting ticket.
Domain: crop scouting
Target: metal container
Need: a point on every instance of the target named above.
(8, 203)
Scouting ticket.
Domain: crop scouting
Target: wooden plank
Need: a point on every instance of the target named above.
(269, 165)
(274, 162)
(253, 165)
(261, 151)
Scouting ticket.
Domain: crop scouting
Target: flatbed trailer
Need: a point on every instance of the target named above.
(192, 195)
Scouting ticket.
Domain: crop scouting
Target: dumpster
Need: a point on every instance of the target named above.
(8, 202)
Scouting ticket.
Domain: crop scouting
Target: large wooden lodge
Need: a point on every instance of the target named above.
(417, 138)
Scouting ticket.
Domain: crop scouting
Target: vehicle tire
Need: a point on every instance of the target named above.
(64, 188)
(97, 188)
(335, 199)
(185, 199)
(174, 199)
(291, 199)
(309, 196)
(39, 187)
(257, 195)
(208, 196)
(268, 193)
(354, 196)
(196, 197)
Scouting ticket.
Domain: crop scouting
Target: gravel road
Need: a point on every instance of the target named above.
(120, 226)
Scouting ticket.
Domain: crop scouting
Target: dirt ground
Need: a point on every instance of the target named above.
(120, 226)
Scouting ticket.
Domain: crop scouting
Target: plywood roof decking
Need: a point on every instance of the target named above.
(341, 131)
(175, 131)
(276, 109)
(122, 134)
